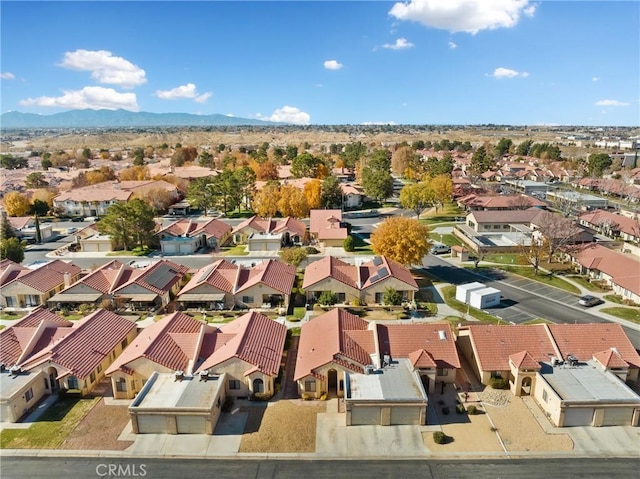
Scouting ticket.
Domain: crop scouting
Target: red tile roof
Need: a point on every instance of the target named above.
(524, 360)
(584, 340)
(103, 278)
(212, 228)
(253, 338)
(271, 225)
(381, 268)
(501, 201)
(172, 342)
(16, 338)
(86, 344)
(610, 359)
(272, 273)
(158, 278)
(330, 267)
(49, 276)
(326, 224)
(494, 344)
(623, 269)
(422, 359)
(222, 275)
(10, 271)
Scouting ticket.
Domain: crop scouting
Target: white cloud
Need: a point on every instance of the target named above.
(611, 103)
(288, 114)
(452, 45)
(332, 65)
(501, 72)
(7, 76)
(469, 16)
(595, 78)
(95, 97)
(105, 68)
(183, 91)
(400, 44)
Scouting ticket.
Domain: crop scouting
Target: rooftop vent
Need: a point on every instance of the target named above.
(15, 370)
(442, 334)
(368, 369)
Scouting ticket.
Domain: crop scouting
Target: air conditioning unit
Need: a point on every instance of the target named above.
(15, 370)
(179, 375)
(204, 375)
(368, 369)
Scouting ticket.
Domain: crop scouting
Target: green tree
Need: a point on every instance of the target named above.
(348, 244)
(293, 256)
(227, 188)
(417, 197)
(206, 159)
(353, 153)
(12, 249)
(328, 298)
(39, 207)
(6, 230)
(305, 166)
(524, 148)
(598, 163)
(481, 161)
(392, 297)
(377, 183)
(246, 178)
(13, 163)
(46, 163)
(503, 147)
(201, 194)
(291, 152)
(35, 180)
(331, 193)
(129, 224)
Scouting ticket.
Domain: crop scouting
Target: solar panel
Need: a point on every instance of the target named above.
(383, 273)
(377, 261)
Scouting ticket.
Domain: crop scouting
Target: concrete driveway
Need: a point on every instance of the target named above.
(611, 440)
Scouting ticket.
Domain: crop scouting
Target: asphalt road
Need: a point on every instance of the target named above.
(82, 467)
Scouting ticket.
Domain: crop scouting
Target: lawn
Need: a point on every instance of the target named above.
(298, 313)
(10, 315)
(360, 245)
(449, 293)
(586, 284)
(541, 277)
(237, 250)
(618, 300)
(629, 314)
(448, 214)
(505, 258)
(53, 427)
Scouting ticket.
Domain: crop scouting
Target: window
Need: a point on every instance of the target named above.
(234, 384)
(310, 385)
(505, 227)
(247, 299)
(496, 227)
(99, 368)
(379, 298)
(92, 377)
(496, 375)
(121, 385)
(32, 300)
(72, 382)
(11, 302)
(441, 372)
(28, 396)
(341, 297)
(545, 397)
(124, 343)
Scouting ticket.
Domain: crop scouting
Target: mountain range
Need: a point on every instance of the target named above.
(120, 119)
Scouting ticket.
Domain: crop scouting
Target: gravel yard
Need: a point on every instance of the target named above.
(282, 426)
(100, 429)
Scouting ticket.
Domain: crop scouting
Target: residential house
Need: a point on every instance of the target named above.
(174, 343)
(358, 284)
(338, 350)
(248, 351)
(327, 228)
(269, 234)
(617, 270)
(575, 372)
(186, 236)
(25, 228)
(475, 202)
(26, 288)
(224, 285)
(76, 357)
(94, 200)
(352, 195)
(613, 225)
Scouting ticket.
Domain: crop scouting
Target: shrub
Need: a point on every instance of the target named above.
(356, 302)
(439, 437)
(348, 244)
(311, 250)
(328, 298)
(472, 410)
(306, 397)
(460, 409)
(445, 410)
(261, 396)
(499, 383)
(323, 396)
(392, 297)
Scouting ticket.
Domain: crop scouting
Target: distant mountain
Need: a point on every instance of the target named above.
(119, 118)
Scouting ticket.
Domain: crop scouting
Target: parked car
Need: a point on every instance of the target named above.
(440, 248)
(71, 230)
(588, 301)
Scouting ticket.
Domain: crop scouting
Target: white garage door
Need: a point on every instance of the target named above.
(185, 249)
(273, 246)
(152, 424)
(91, 247)
(170, 248)
(578, 417)
(405, 415)
(365, 416)
(618, 416)
(191, 425)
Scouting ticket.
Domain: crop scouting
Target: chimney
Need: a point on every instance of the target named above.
(67, 280)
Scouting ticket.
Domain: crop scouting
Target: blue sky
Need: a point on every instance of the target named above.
(329, 62)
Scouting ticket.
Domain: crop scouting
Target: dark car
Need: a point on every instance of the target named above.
(588, 301)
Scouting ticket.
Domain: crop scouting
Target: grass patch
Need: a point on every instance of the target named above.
(237, 250)
(628, 314)
(295, 331)
(541, 277)
(447, 239)
(10, 315)
(298, 313)
(449, 293)
(586, 284)
(447, 214)
(74, 316)
(505, 258)
(53, 427)
(618, 300)
(360, 245)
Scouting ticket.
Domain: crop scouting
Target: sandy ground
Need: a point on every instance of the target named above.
(282, 426)
(100, 429)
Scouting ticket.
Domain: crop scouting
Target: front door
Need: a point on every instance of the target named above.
(332, 384)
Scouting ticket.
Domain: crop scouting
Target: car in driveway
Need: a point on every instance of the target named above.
(588, 301)
(440, 248)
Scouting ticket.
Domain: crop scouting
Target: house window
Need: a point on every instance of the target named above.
(496, 375)
(11, 302)
(72, 382)
(472, 224)
(341, 297)
(28, 396)
(99, 368)
(234, 384)
(441, 372)
(310, 385)
(379, 298)
(545, 397)
(247, 299)
(92, 377)
(124, 343)
(121, 385)
(32, 300)
(496, 227)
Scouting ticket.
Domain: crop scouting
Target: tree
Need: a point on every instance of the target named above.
(327, 298)
(534, 253)
(392, 297)
(292, 202)
(82, 163)
(503, 147)
(182, 155)
(352, 154)
(227, 187)
(265, 171)
(99, 176)
(6, 230)
(481, 161)
(206, 159)
(135, 173)
(16, 204)
(377, 183)
(12, 249)
(46, 163)
(524, 148)
(331, 193)
(442, 187)
(246, 182)
(265, 201)
(39, 207)
(35, 180)
(158, 198)
(597, 163)
(129, 224)
(558, 232)
(200, 193)
(12, 163)
(403, 159)
(313, 193)
(305, 166)
(293, 256)
(417, 197)
(404, 240)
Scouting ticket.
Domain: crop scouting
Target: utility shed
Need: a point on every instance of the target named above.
(484, 298)
(464, 290)
(177, 404)
(392, 395)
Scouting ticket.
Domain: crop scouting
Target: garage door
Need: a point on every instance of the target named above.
(170, 248)
(365, 416)
(405, 415)
(191, 425)
(578, 417)
(152, 424)
(273, 246)
(91, 247)
(617, 416)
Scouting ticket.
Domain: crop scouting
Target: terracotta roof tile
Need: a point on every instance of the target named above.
(400, 340)
(221, 275)
(622, 268)
(524, 360)
(9, 271)
(422, 359)
(330, 267)
(326, 224)
(49, 276)
(610, 359)
(272, 273)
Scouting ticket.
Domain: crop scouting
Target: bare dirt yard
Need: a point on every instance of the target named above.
(282, 426)
(100, 429)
